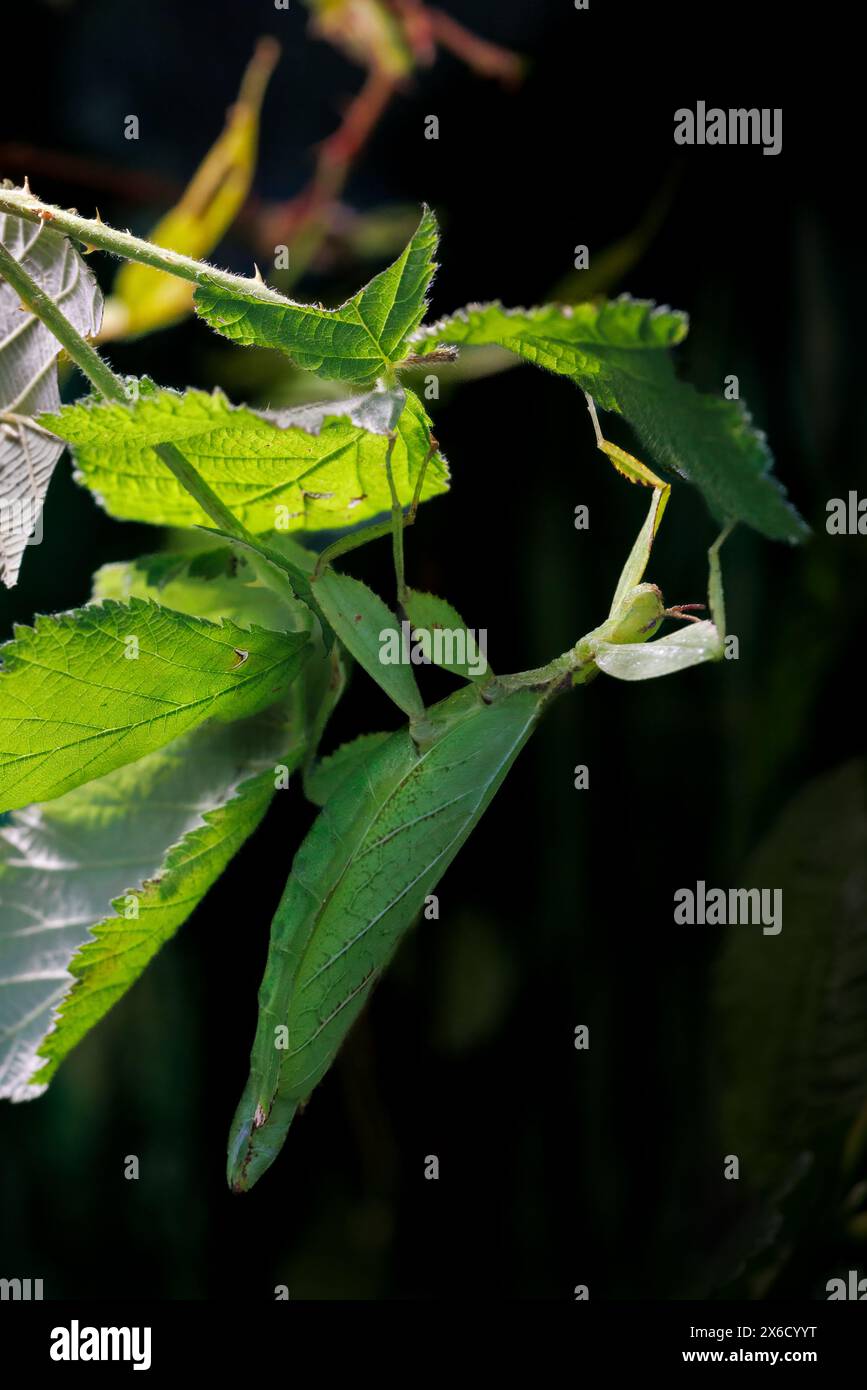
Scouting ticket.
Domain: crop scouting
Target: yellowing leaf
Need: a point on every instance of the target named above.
(144, 298)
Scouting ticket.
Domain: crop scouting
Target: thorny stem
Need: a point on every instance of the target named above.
(78, 348)
(113, 388)
(93, 232)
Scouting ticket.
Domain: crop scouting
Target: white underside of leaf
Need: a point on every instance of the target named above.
(64, 863)
(28, 376)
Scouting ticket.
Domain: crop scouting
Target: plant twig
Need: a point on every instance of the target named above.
(113, 388)
(93, 232)
(85, 357)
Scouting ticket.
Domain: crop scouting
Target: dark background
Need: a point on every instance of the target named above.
(557, 1167)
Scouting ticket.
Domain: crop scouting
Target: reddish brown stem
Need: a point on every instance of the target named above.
(487, 59)
(288, 221)
(78, 171)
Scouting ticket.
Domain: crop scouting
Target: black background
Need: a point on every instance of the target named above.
(557, 1167)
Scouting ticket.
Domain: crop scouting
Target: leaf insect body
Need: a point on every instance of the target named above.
(354, 889)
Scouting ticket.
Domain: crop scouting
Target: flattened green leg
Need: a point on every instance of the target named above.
(715, 593)
(631, 467)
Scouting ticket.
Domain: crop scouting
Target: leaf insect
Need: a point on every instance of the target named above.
(378, 848)
(392, 825)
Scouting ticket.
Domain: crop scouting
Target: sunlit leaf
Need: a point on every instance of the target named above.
(149, 840)
(84, 692)
(311, 468)
(359, 342)
(617, 351)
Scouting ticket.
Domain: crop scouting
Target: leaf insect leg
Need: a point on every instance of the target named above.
(400, 521)
(397, 525)
(355, 539)
(637, 472)
(631, 468)
(715, 592)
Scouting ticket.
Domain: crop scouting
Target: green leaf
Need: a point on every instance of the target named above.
(324, 779)
(641, 661)
(376, 850)
(617, 351)
(220, 582)
(212, 584)
(28, 376)
(370, 632)
(311, 468)
(148, 839)
(428, 614)
(790, 1009)
(359, 342)
(74, 705)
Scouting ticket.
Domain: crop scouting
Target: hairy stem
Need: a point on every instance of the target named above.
(85, 357)
(93, 232)
(112, 388)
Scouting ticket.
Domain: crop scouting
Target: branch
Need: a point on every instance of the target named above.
(113, 388)
(94, 233)
(78, 348)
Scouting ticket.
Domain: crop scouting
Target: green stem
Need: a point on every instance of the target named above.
(572, 668)
(112, 388)
(79, 349)
(93, 232)
(396, 530)
(271, 574)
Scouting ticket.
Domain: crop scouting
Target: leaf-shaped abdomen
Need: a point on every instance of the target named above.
(378, 848)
